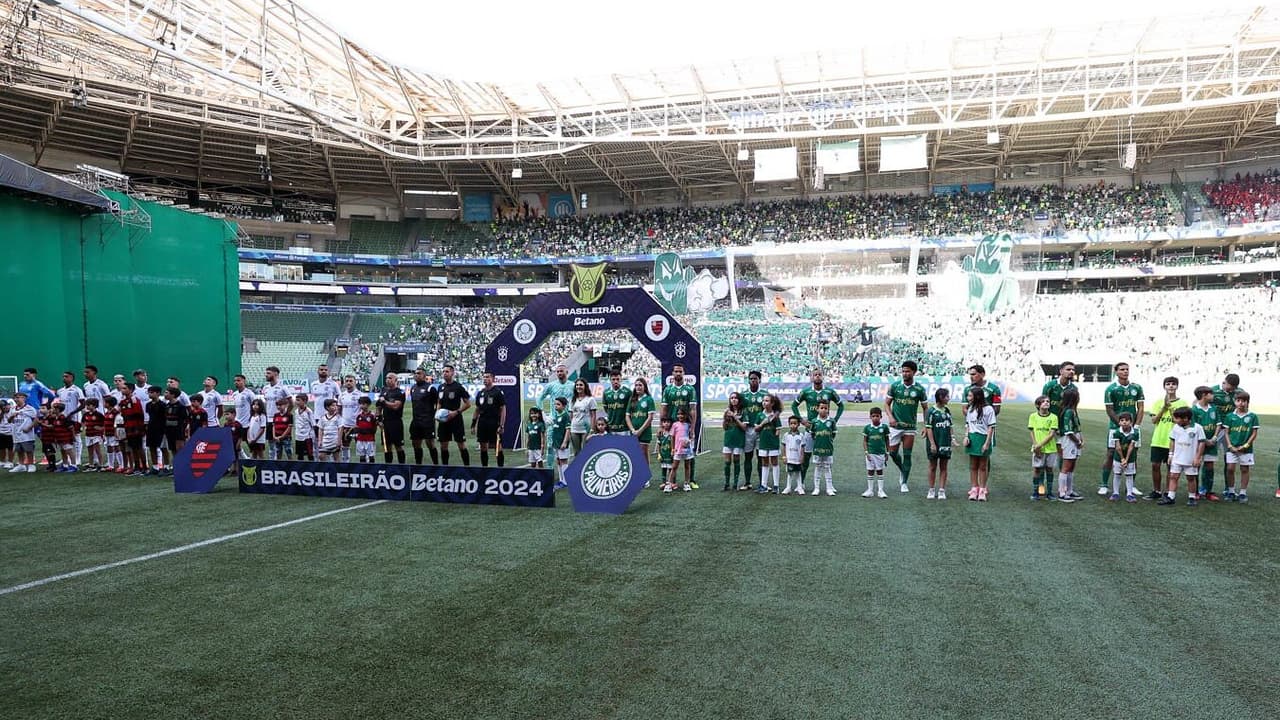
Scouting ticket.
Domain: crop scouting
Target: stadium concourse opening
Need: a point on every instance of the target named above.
(618, 308)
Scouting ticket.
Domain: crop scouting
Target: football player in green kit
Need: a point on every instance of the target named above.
(812, 397)
(903, 404)
(1120, 396)
(752, 414)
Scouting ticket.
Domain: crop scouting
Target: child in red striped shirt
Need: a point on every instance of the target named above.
(95, 431)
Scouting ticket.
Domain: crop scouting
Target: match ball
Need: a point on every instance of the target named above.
(442, 415)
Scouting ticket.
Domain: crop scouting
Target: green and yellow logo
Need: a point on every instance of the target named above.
(586, 287)
(248, 475)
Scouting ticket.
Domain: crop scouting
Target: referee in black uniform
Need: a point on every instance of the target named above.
(455, 399)
(422, 423)
(392, 406)
(491, 415)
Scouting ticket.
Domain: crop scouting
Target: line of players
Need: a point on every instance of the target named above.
(1187, 439)
(753, 428)
(136, 428)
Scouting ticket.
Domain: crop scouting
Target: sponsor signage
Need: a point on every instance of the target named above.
(607, 475)
(521, 487)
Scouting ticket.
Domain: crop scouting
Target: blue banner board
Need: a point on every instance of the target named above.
(477, 207)
(607, 475)
(522, 487)
(203, 460)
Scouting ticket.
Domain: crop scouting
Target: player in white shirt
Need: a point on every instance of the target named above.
(273, 391)
(1186, 452)
(349, 401)
(72, 399)
(323, 388)
(94, 387)
(242, 399)
(176, 384)
(119, 388)
(212, 400)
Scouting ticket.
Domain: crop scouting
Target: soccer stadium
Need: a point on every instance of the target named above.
(919, 376)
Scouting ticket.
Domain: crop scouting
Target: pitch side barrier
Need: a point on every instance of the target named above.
(520, 487)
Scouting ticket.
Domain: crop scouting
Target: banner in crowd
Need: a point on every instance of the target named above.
(560, 205)
(607, 475)
(680, 290)
(839, 158)
(903, 152)
(992, 286)
(477, 207)
(523, 487)
(781, 303)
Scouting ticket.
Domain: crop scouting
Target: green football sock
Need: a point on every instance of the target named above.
(747, 468)
(1106, 475)
(737, 468)
(727, 469)
(905, 465)
(1206, 477)
(896, 457)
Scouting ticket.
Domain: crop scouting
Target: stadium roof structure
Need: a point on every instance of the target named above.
(200, 89)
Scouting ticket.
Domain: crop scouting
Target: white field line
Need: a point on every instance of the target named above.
(181, 549)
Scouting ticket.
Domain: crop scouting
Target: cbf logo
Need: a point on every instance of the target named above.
(586, 287)
(608, 475)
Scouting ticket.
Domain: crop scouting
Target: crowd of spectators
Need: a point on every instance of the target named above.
(1045, 207)
(1246, 198)
(1197, 335)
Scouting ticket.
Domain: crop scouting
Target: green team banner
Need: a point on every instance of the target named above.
(992, 286)
(680, 290)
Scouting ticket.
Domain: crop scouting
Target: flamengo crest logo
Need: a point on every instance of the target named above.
(202, 459)
(586, 287)
(606, 474)
(657, 327)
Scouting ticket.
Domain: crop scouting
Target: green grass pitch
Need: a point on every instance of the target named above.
(699, 605)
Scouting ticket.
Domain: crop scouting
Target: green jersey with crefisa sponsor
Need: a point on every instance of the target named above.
(615, 408)
(811, 397)
(1224, 401)
(877, 438)
(1126, 442)
(1053, 390)
(559, 426)
(536, 430)
(1123, 399)
(938, 420)
(824, 436)
(1207, 419)
(753, 405)
(1239, 428)
(666, 448)
(907, 400)
(677, 398)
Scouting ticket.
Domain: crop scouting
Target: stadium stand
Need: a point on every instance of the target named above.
(293, 326)
(374, 237)
(297, 360)
(1247, 198)
(1047, 208)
